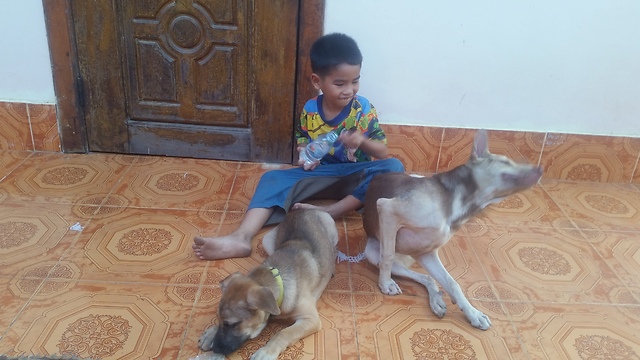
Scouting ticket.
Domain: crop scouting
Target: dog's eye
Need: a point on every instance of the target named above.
(230, 323)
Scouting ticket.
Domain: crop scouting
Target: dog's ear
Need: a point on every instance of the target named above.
(261, 298)
(224, 283)
(480, 145)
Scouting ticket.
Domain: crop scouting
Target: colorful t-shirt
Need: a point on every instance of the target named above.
(359, 114)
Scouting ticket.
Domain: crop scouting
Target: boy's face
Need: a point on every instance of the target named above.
(339, 86)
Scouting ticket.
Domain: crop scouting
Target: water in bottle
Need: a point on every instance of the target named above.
(318, 148)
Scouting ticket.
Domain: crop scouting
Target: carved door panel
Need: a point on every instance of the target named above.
(193, 78)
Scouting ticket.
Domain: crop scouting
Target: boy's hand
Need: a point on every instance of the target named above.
(352, 138)
(301, 161)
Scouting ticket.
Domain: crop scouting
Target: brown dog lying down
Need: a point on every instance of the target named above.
(409, 218)
(288, 284)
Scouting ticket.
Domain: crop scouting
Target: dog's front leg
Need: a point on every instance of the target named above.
(388, 230)
(431, 262)
(304, 326)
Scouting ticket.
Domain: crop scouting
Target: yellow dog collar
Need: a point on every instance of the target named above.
(276, 274)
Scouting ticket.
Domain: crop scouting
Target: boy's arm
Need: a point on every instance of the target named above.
(374, 143)
(372, 147)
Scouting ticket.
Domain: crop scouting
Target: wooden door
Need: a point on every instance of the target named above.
(193, 78)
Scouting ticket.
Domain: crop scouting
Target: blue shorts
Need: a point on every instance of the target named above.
(283, 188)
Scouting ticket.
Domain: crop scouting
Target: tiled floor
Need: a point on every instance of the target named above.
(96, 261)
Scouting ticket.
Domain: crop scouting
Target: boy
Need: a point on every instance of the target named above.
(344, 173)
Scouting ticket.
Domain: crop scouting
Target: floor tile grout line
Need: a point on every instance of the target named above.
(544, 143)
(194, 308)
(115, 186)
(495, 291)
(31, 153)
(207, 268)
(32, 136)
(564, 212)
(226, 202)
(350, 291)
(22, 309)
(437, 169)
(88, 221)
(611, 269)
(636, 168)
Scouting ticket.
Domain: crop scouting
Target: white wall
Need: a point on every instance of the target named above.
(25, 67)
(535, 65)
(570, 66)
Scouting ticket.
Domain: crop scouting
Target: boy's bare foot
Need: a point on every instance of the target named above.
(225, 247)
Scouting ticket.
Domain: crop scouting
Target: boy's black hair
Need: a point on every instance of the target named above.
(333, 50)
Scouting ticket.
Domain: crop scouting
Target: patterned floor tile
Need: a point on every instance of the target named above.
(418, 147)
(165, 183)
(63, 178)
(34, 238)
(621, 251)
(44, 127)
(577, 331)
(14, 298)
(102, 320)
(604, 206)
(402, 329)
(533, 207)
(15, 129)
(138, 245)
(9, 160)
(539, 264)
(606, 159)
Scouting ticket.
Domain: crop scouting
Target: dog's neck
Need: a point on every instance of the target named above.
(461, 189)
(276, 275)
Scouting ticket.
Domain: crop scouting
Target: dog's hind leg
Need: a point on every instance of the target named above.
(431, 262)
(398, 268)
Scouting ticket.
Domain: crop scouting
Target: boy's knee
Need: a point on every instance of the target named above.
(271, 177)
(393, 165)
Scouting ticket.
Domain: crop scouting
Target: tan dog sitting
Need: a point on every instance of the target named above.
(288, 284)
(410, 218)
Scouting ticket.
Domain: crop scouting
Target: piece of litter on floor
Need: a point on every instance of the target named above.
(76, 227)
(352, 259)
(416, 175)
(209, 356)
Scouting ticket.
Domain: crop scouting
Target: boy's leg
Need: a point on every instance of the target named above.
(236, 244)
(337, 209)
(356, 200)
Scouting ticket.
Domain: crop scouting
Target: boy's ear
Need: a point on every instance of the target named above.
(315, 80)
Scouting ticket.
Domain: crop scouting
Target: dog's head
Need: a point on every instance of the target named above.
(245, 307)
(497, 175)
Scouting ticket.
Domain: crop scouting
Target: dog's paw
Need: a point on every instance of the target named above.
(438, 306)
(206, 340)
(389, 287)
(209, 356)
(479, 320)
(264, 354)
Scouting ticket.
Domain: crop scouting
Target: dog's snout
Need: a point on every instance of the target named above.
(538, 170)
(225, 342)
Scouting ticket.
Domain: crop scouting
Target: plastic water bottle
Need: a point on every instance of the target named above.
(318, 148)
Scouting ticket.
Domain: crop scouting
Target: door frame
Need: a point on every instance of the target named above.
(67, 81)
